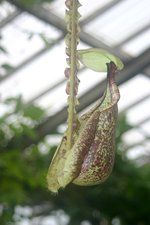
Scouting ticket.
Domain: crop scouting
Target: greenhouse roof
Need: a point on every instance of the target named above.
(33, 59)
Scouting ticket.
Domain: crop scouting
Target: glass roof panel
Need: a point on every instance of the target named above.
(146, 127)
(114, 26)
(132, 90)
(139, 112)
(37, 75)
(6, 9)
(136, 152)
(24, 37)
(89, 79)
(87, 8)
(131, 137)
(138, 44)
(55, 100)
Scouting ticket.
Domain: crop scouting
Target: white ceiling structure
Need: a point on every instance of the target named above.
(34, 40)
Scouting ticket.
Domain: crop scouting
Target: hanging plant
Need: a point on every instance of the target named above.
(86, 153)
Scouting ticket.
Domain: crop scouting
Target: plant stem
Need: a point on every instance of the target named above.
(73, 71)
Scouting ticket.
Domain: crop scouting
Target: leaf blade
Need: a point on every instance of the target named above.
(96, 59)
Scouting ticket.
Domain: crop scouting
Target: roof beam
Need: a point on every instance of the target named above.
(9, 18)
(134, 35)
(147, 72)
(56, 21)
(135, 103)
(31, 58)
(42, 14)
(99, 12)
(138, 143)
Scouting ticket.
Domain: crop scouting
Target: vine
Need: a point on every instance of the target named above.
(72, 40)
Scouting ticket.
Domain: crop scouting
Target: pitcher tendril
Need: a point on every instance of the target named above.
(72, 40)
(85, 155)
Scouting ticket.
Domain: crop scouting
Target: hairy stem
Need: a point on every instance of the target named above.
(73, 63)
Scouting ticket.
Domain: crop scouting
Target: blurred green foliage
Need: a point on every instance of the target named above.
(32, 2)
(123, 199)
(22, 171)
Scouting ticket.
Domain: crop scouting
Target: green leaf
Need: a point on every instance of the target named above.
(34, 112)
(2, 49)
(45, 40)
(30, 132)
(96, 59)
(32, 2)
(17, 102)
(7, 66)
